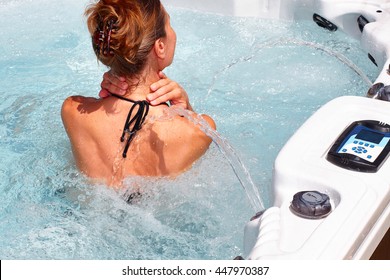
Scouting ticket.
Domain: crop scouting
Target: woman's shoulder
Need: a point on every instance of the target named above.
(184, 140)
(189, 126)
(78, 102)
(183, 129)
(209, 120)
(78, 105)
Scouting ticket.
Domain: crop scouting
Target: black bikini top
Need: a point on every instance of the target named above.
(133, 124)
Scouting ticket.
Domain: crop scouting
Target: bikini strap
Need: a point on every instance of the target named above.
(133, 124)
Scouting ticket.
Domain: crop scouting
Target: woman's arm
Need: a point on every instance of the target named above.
(162, 91)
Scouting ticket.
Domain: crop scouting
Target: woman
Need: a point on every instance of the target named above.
(119, 136)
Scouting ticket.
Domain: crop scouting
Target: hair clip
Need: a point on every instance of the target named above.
(109, 27)
(102, 37)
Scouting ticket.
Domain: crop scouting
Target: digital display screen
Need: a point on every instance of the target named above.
(363, 146)
(370, 136)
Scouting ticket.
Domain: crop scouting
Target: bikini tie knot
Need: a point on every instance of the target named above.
(134, 123)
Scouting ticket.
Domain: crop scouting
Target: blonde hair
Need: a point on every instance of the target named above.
(124, 32)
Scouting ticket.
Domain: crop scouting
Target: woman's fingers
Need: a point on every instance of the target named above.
(113, 84)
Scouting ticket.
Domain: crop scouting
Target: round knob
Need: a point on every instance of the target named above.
(311, 205)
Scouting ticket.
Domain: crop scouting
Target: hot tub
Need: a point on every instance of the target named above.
(358, 200)
(231, 67)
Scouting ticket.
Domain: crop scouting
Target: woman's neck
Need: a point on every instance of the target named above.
(139, 88)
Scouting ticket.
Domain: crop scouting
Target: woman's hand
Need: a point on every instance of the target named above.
(167, 90)
(112, 84)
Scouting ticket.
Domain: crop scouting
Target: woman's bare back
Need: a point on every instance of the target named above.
(164, 146)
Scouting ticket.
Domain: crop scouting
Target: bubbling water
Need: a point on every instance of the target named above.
(285, 42)
(239, 168)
